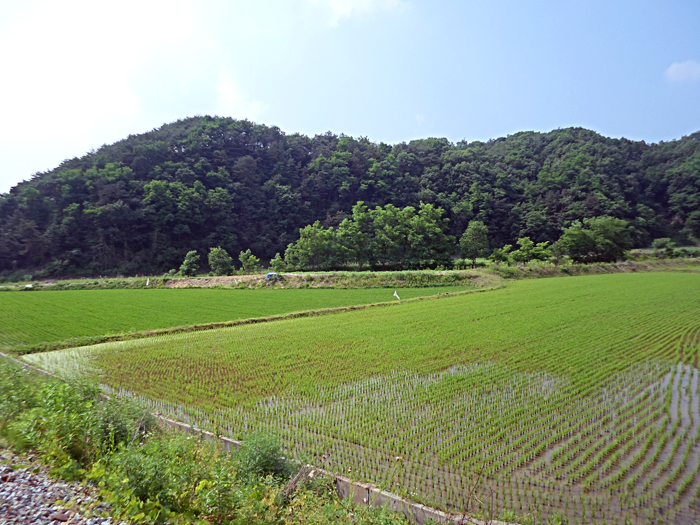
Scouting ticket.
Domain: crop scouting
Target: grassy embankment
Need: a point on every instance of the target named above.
(344, 279)
(486, 273)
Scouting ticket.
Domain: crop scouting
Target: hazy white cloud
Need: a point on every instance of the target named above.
(688, 71)
(234, 103)
(68, 73)
(420, 119)
(340, 9)
(77, 72)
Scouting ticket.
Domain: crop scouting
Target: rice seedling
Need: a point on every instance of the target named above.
(33, 318)
(576, 399)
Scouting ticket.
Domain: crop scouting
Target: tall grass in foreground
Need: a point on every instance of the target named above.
(146, 475)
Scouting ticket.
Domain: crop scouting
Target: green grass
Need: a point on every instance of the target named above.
(554, 387)
(686, 268)
(30, 318)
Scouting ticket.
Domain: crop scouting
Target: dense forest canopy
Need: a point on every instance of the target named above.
(141, 204)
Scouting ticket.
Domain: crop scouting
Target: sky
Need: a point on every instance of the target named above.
(75, 75)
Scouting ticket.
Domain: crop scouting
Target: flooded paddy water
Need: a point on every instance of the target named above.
(627, 452)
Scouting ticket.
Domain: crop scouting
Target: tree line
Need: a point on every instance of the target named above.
(391, 238)
(141, 204)
(386, 237)
(598, 239)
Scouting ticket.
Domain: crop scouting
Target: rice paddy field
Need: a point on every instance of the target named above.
(576, 399)
(31, 318)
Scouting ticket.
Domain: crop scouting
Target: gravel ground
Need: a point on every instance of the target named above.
(28, 495)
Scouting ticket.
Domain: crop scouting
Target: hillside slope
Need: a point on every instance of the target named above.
(140, 204)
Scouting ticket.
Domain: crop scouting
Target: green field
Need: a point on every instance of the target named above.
(576, 396)
(30, 318)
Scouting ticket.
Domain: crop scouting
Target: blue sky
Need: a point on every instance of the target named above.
(78, 74)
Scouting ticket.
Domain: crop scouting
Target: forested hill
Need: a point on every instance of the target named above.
(140, 204)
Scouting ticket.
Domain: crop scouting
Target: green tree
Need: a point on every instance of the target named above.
(354, 235)
(530, 251)
(604, 240)
(693, 223)
(190, 265)
(249, 262)
(316, 248)
(220, 261)
(474, 242)
(524, 254)
(430, 246)
(277, 264)
(612, 237)
(501, 255)
(661, 243)
(540, 252)
(388, 236)
(391, 225)
(684, 186)
(664, 247)
(140, 204)
(557, 251)
(578, 242)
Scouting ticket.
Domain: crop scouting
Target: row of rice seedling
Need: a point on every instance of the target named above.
(563, 410)
(350, 430)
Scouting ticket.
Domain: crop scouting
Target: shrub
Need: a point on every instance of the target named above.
(190, 265)
(220, 261)
(60, 427)
(18, 392)
(217, 495)
(153, 476)
(474, 242)
(249, 262)
(461, 264)
(660, 244)
(501, 255)
(69, 424)
(162, 469)
(277, 264)
(261, 456)
(120, 421)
